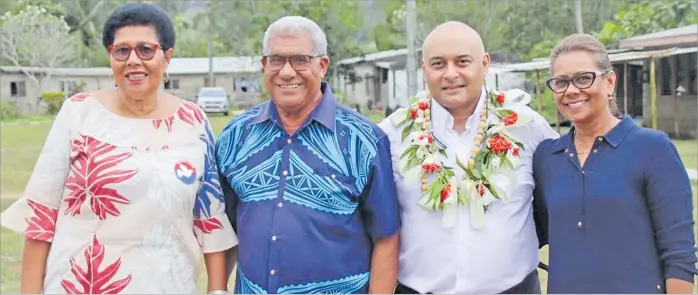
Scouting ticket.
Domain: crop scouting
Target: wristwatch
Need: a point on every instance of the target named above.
(217, 292)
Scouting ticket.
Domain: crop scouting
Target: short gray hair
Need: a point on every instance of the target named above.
(294, 24)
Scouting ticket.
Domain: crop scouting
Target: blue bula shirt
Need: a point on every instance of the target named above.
(306, 207)
(623, 222)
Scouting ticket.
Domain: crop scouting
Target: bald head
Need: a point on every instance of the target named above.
(455, 64)
(454, 31)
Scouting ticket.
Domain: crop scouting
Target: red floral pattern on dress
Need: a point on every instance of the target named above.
(208, 225)
(93, 280)
(41, 226)
(93, 169)
(190, 113)
(167, 122)
(80, 96)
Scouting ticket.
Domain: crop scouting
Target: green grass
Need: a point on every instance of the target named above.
(20, 144)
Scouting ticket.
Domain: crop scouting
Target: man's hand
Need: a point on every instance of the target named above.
(384, 263)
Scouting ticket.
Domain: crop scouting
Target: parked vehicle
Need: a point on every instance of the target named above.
(213, 100)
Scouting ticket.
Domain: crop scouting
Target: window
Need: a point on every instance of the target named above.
(18, 89)
(172, 84)
(69, 87)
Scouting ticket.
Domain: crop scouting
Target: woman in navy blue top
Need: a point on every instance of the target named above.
(618, 198)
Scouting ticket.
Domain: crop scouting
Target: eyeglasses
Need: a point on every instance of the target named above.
(144, 51)
(298, 62)
(581, 81)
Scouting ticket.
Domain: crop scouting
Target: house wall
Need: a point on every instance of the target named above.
(185, 87)
(683, 108)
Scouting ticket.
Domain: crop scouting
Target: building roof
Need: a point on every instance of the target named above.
(388, 56)
(544, 64)
(178, 66)
(672, 37)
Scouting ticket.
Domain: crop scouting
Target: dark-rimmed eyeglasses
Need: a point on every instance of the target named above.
(299, 62)
(582, 80)
(144, 51)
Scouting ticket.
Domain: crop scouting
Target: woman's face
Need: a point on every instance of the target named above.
(137, 60)
(582, 92)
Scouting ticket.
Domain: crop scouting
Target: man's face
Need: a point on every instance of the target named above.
(454, 68)
(292, 72)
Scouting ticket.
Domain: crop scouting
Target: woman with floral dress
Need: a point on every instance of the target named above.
(125, 195)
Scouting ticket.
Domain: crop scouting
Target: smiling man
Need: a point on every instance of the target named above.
(495, 251)
(309, 183)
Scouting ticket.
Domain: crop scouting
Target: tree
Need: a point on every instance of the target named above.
(646, 17)
(33, 37)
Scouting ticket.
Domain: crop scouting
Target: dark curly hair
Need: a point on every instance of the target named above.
(138, 14)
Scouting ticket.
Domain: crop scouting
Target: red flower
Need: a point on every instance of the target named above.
(515, 152)
(510, 119)
(429, 138)
(413, 114)
(481, 190)
(445, 192)
(499, 145)
(423, 105)
(93, 170)
(431, 167)
(93, 280)
(500, 98)
(42, 224)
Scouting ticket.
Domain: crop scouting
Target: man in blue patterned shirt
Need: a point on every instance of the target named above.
(309, 182)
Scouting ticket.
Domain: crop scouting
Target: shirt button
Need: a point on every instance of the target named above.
(333, 176)
(284, 172)
(289, 140)
(272, 272)
(571, 155)
(659, 287)
(280, 205)
(579, 224)
(595, 150)
(273, 238)
(600, 138)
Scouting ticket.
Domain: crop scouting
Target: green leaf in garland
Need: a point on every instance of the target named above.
(460, 164)
(406, 131)
(409, 151)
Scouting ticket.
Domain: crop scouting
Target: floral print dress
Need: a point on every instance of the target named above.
(128, 204)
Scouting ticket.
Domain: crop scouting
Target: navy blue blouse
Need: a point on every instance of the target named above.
(623, 222)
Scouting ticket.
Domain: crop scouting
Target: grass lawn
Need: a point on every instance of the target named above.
(20, 144)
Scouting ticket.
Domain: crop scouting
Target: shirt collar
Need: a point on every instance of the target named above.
(324, 112)
(613, 137)
(442, 120)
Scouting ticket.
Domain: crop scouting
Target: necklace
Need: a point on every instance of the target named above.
(493, 157)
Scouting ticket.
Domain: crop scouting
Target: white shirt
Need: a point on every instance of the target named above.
(463, 259)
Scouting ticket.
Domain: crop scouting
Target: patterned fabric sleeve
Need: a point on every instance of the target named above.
(380, 204)
(35, 213)
(211, 224)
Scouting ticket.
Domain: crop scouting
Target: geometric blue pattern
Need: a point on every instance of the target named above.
(346, 285)
(307, 206)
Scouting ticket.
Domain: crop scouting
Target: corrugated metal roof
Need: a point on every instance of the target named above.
(378, 56)
(617, 57)
(178, 66)
(687, 30)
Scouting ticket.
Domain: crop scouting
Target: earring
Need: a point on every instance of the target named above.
(167, 77)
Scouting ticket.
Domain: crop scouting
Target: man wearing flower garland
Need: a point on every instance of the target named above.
(462, 159)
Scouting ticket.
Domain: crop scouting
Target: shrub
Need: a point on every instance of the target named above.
(53, 100)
